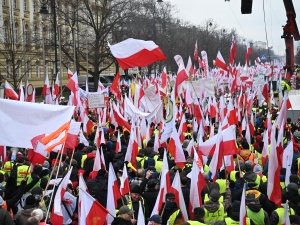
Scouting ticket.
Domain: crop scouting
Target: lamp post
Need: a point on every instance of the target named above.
(44, 11)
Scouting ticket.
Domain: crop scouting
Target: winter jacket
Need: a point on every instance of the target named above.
(5, 218)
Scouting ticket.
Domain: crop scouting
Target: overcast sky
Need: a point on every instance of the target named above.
(250, 26)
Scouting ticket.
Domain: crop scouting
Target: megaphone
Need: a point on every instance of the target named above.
(14, 152)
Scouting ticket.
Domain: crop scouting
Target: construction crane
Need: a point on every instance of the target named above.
(290, 33)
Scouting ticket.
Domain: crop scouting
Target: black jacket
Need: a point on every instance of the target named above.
(5, 218)
(120, 221)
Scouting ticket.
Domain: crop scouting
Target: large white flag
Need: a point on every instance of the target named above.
(22, 121)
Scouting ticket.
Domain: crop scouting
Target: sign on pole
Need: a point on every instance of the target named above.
(96, 100)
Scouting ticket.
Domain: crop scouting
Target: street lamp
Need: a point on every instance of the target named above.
(44, 11)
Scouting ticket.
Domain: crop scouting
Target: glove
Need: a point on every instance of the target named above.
(43, 173)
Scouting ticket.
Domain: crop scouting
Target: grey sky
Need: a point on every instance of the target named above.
(250, 26)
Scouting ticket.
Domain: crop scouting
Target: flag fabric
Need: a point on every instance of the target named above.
(197, 184)
(220, 62)
(92, 212)
(46, 91)
(121, 121)
(248, 52)
(196, 51)
(40, 119)
(232, 54)
(56, 90)
(70, 73)
(56, 215)
(273, 185)
(113, 194)
(175, 149)
(136, 53)
(74, 87)
(72, 136)
(124, 182)
(21, 93)
(114, 88)
(132, 149)
(38, 154)
(181, 76)
(141, 217)
(286, 217)
(82, 186)
(243, 207)
(176, 190)
(3, 154)
(189, 67)
(57, 137)
(97, 165)
(10, 92)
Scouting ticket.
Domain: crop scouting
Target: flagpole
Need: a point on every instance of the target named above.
(71, 159)
(59, 153)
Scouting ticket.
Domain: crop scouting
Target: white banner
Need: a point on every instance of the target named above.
(202, 85)
(96, 100)
(22, 121)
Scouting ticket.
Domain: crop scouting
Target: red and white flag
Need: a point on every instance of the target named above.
(38, 154)
(56, 215)
(92, 212)
(21, 93)
(286, 214)
(3, 154)
(220, 62)
(181, 76)
(56, 86)
(243, 211)
(189, 67)
(46, 91)
(196, 51)
(10, 92)
(124, 182)
(70, 73)
(197, 184)
(113, 194)
(74, 87)
(132, 149)
(136, 53)
(248, 53)
(175, 149)
(72, 136)
(232, 51)
(176, 190)
(121, 121)
(114, 88)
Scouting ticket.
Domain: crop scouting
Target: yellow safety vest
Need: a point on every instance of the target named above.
(173, 217)
(222, 184)
(158, 164)
(256, 217)
(280, 212)
(206, 198)
(8, 167)
(83, 158)
(230, 221)
(193, 222)
(213, 216)
(22, 172)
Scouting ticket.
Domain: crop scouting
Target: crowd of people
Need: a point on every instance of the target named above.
(25, 192)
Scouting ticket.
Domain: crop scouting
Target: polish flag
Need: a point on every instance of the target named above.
(98, 163)
(121, 121)
(87, 124)
(229, 141)
(38, 154)
(97, 137)
(265, 92)
(213, 108)
(200, 62)
(197, 184)
(92, 212)
(163, 84)
(216, 161)
(113, 194)
(189, 67)
(248, 52)
(114, 88)
(181, 76)
(182, 128)
(141, 217)
(100, 86)
(21, 93)
(165, 185)
(156, 142)
(124, 182)
(232, 54)
(9, 92)
(231, 113)
(198, 114)
(220, 62)
(136, 53)
(82, 187)
(243, 211)
(70, 74)
(273, 185)
(72, 136)
(74, 87)
(265, 151)
(56, 87)
(285, 105)
(56, 215)
(196, 51)
(132, 149)
(3, 154)
(177, 191)
(175, 149)
(118, 144)
(46, 91)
